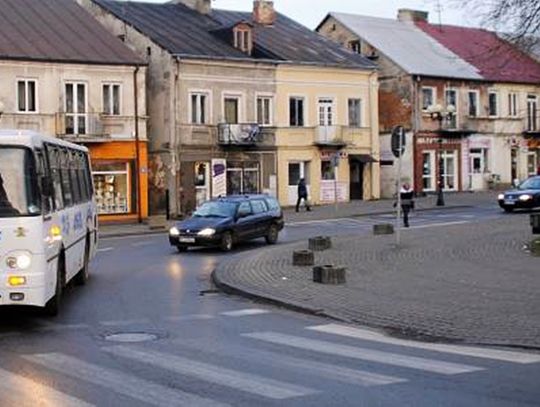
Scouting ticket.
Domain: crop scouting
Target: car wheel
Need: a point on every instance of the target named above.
(82, 276)
(52, 308)
(507, 209)
(272, 235)
(181, 249)
(226, 242)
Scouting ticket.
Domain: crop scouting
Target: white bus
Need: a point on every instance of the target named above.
(48, 218)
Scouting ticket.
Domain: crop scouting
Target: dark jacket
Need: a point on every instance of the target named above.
(407, 196)
(302, 189)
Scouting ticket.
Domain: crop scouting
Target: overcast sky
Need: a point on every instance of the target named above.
(311, 12)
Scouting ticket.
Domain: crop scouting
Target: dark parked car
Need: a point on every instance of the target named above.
(525, 196)
(225, 221)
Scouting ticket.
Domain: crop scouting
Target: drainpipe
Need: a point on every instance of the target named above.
(137, 147)
(415, 128)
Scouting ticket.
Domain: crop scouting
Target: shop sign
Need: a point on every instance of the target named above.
(328, 191)
(219, 177)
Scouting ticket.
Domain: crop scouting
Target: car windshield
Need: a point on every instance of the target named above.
(531, 183)
(18, 186)
(216, 209)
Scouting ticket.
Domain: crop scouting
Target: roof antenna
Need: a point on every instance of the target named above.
(439, 10)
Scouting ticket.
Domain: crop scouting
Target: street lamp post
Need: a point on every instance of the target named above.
(440, 114)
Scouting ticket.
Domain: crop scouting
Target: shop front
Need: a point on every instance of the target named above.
(114, 168)
(533, 157)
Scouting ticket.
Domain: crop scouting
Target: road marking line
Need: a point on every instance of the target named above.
(22, 391)
(486, 353)
(432, 225)
(121, 383)
(315, 222)
(370, 355)
(194, 317)
(45, 325)
(245, 312)
(247, 382)
(105, 249)
(125, 322)
(305, 366)
(141, 244)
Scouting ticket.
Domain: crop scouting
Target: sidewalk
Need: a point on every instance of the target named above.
(471, 283)
(344, 210)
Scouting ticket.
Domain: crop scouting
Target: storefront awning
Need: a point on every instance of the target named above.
(362, 158)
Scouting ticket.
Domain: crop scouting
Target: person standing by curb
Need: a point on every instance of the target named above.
(407, 202)
(302, 194)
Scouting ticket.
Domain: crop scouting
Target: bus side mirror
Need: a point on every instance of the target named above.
(46, 186)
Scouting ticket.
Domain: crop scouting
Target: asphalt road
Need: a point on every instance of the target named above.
(202, 348)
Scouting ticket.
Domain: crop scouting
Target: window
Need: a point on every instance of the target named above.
(244, 208)
(296, 112)
(66, 178)
(532, 113)
(473, 103)
(199, 108)
(451, 100)
(231, 105)
(428, 173)
(242, 40)
(355, 112)
(113, 187)
(264, 110)
(493, 107)
(53, 156)
(294, 174)
(356, 46)
(26, 96)
(75, 95)
(111, 99)
(428, 97)
(327, 171)
(513, 104)
(258, 207)
(479, 160)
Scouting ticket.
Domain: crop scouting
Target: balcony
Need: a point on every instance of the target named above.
(342, 136)
(239, 135)
(97, 127)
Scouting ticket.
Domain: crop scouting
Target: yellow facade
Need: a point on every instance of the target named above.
(317, 140)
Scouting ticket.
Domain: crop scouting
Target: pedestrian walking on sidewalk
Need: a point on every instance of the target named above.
(407, 202)
(302, 195)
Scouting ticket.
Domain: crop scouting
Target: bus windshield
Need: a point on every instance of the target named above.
(18, 183)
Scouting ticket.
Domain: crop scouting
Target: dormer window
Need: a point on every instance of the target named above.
(356, 46)
(243, 37)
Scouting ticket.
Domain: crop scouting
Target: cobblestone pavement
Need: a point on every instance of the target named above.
(473, 283)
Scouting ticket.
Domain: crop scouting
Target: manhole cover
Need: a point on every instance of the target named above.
(131, 337)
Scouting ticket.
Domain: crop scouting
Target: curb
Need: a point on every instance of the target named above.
(130, 234)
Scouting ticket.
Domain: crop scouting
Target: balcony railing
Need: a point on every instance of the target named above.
(246, 134)
(97, 127)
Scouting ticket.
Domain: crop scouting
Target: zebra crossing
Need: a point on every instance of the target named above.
(306, 360)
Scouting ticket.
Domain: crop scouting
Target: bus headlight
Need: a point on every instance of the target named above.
(19, 261)
(174, 231)
(207, 232)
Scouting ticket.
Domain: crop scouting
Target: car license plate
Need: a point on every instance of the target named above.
(509, 202)
(187, 240)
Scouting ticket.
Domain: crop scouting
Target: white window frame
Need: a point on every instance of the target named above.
(305, 110)
(477, 93)
(513, 104)
(208, 107)
(76, 114)
(361, 113)
(265, 96)
(432, 176)
(244, 36)
(497, 103)
(36, 98)
(534, 99)
(325, 100)
(111, 98)
(456, 106)
(433, 97)
(229, 94)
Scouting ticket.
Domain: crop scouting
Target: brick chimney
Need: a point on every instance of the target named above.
(264, 12)
(202, 6)
(408, 15)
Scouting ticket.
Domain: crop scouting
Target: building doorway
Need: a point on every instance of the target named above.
(356, 187)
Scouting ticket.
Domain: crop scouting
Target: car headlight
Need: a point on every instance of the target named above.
(207, 232)
(174, 231)
(525, 197)
(500, 197)
(19, 261)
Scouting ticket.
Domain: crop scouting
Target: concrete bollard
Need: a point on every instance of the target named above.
(535, 223)
(329, 274)
(383, 229)
(535, 247)
(320, 243)
(303, 258)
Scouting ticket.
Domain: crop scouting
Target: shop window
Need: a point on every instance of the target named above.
(243, 178)
(113, 189)
(428, 173)
(327, 171)
(294, 174)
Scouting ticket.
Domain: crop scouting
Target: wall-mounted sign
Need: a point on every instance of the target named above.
(219, 177)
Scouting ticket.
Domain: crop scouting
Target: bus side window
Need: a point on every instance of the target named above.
(54, 164)
(88, 176)
(74, 180)
(66, 182)
(43, 173)
(81, 178)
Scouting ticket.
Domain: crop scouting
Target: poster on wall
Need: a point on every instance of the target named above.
(219, 177)
(328, 191)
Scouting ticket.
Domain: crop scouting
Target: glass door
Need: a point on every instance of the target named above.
(449, 169)
(428, 171)
(76, 112)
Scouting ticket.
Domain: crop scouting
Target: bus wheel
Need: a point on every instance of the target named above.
(82, 276)
(52, 308)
